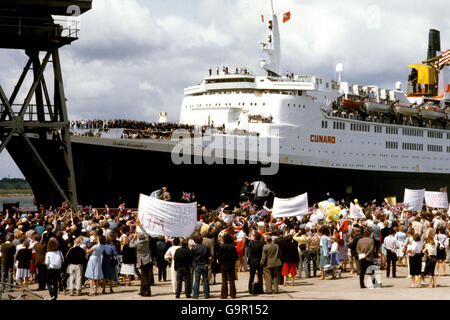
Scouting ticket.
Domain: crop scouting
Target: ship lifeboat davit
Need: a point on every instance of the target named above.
(378, 107)
(432, 113)
(405, 110)
(351, 104)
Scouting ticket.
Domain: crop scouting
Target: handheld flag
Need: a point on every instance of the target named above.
(286, 16)
(186, 196)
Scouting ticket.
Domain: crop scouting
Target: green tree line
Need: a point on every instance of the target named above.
(14, 184)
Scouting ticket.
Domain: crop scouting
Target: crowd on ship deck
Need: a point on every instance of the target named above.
(383, 118)
(151, 130)
(68, 250)
(225, 70)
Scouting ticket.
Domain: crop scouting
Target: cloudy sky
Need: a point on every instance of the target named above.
(134, 57)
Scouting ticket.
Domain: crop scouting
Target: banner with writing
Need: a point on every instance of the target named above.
(436, 199)
(291, 207)
(414, 199)
(166, 218)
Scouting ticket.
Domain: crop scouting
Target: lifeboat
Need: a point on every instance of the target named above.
(405, 110)
(432, 113)
(378, 107)
(351, 104)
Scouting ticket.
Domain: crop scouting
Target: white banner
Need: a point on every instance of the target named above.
(165, 218)
(414, 199)
(292, 207)
(356, 212)
(436, 199)
(227, 218)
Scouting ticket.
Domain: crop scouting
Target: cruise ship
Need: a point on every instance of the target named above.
(297, 133)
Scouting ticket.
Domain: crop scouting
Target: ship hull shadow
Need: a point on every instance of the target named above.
(113, 175)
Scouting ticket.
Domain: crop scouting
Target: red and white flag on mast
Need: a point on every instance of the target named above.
(286, 16)
(262, 18)
(445, 58)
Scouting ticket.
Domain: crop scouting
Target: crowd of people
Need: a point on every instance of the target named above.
(152, 130)
(127, 124)
(386, 118)
(67, 249)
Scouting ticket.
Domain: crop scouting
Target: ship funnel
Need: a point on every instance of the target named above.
(434, 43)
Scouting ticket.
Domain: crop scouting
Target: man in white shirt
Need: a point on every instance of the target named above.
(391, 246)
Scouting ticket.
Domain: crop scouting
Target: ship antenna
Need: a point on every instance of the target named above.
(272, 64)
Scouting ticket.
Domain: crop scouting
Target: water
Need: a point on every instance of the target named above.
(24, 202)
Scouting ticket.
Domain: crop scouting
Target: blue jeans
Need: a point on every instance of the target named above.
(201, 270)
(302, 257)
(311, 255)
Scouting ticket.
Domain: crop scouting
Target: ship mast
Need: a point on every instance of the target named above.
(272, 63)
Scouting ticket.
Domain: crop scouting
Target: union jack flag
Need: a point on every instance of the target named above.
(186, 196)
(122, 207)
(245, 204)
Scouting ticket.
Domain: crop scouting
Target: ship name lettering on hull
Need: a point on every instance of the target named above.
(322, 139)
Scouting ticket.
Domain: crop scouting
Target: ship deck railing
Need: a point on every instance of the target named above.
(51, 28)
(386, 121)
(31, 113)
(134, 134)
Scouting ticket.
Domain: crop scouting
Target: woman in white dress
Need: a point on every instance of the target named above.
(401, 237)
(169, 257)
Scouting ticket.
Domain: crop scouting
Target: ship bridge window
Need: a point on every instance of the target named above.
(391, 145)
(391, 130)
(412, 146)
(209, 81)
(434, 148)
(339, 125)
(412, 132)
(325, 124)
(360, 127)
(448, 149)
(435, 135)
(377, 129)
(448, 136)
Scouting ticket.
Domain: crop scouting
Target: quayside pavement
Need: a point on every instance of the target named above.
(344, 288)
